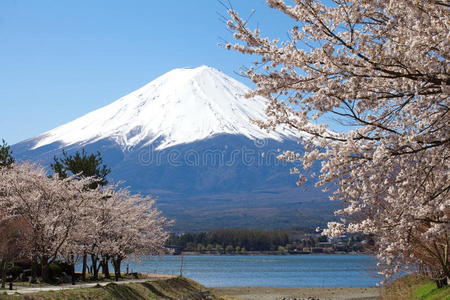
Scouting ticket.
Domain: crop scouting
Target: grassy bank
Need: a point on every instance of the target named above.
(174, 288)
(415, 287)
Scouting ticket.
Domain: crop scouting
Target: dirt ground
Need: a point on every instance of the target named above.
(265, 293)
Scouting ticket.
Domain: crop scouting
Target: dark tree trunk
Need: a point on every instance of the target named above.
(72, 269)
(116, 263)
(94, 260)
(34, 267)
(3, 272)
(84, 268)
(73, 277)
(99, 265)
(440, 283)
(45, 269)
(105, 267)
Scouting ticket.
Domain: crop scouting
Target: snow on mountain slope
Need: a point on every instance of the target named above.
(181, 106)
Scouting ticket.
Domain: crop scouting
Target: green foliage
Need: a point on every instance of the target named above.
(290, 247)
(65, 266)
(412, 287)
(220, 249)
(322, 239)
(253, 240)
(6, 158)
(200, 248)
(429, 291)
(229, 249)
(55, 270)
(83, 164)
(281, 249)
(14, 271)
(190, 246)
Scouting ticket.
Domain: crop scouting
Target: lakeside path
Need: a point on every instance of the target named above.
(26, 289)
(244, 293)
(268, 293)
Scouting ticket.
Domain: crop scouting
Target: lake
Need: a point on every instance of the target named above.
(267, 270)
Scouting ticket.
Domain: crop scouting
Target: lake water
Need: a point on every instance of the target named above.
(267, 270)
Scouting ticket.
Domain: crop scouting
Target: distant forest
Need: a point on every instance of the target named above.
(231, 240)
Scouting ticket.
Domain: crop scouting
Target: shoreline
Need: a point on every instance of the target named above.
(187, 253)
(225, 293)
(271, 293)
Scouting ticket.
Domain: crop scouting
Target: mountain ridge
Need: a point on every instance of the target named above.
(197, 153)
(181, 106)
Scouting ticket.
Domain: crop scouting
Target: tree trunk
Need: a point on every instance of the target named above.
(99, 265)
(34, 267)
(116, 264)
(45, 269)
(105, 267)
(83, 270)
(72, 273)
(72, 269)
(3, 272)
(94, 260)
(440, 283)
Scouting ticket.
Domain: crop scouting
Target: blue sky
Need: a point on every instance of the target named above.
(62, 59)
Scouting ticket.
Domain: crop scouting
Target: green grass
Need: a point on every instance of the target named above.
(170, 289)
(428, 291)
(413, 287)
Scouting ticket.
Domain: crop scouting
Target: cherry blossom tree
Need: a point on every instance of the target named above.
(14, 233)
(49, 205)
(125, 226)
(66, 218)
(81, 164)
(380, 67)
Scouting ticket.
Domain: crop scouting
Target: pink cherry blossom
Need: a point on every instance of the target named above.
(382, 68)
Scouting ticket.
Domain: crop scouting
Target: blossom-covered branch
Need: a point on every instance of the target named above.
(382, 68)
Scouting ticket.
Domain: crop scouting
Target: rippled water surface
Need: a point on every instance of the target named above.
(268, 270)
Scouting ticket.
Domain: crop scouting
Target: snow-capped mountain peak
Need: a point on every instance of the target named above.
(181, 106)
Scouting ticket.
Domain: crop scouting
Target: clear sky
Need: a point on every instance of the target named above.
(62, 59)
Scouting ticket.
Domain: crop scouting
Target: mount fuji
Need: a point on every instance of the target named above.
(189, 139)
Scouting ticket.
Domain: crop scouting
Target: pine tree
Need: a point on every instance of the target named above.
(6, 158)
(82, 164)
